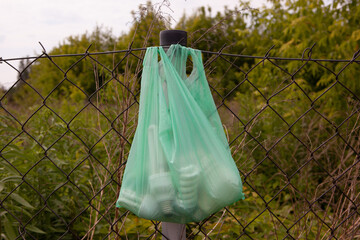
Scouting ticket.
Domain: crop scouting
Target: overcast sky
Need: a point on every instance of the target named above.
(24, 23)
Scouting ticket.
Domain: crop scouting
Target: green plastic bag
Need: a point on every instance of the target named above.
(180, 168)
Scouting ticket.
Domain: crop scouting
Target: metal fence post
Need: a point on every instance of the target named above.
(173, 231)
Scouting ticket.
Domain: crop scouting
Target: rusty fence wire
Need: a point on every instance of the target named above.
(68, 122)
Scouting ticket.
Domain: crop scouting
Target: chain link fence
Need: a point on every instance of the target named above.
(292, 125)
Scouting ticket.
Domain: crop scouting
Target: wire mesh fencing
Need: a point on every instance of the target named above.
(292, 124)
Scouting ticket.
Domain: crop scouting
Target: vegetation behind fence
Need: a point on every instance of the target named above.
(292, 123)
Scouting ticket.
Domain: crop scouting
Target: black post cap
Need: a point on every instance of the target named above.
(168, 37)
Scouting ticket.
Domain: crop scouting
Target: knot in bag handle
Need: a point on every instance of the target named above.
(176, 51)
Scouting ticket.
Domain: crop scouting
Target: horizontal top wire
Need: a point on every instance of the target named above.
(203, 51)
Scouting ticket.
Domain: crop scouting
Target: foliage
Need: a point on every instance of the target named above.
(65, 158)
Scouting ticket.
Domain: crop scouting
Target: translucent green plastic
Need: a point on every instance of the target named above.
(180, 168)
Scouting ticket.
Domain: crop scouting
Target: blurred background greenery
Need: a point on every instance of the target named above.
(63, 146)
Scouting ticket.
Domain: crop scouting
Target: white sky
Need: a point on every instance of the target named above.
(24, 23)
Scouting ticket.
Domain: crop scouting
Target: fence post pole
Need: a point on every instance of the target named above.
(173, 231)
